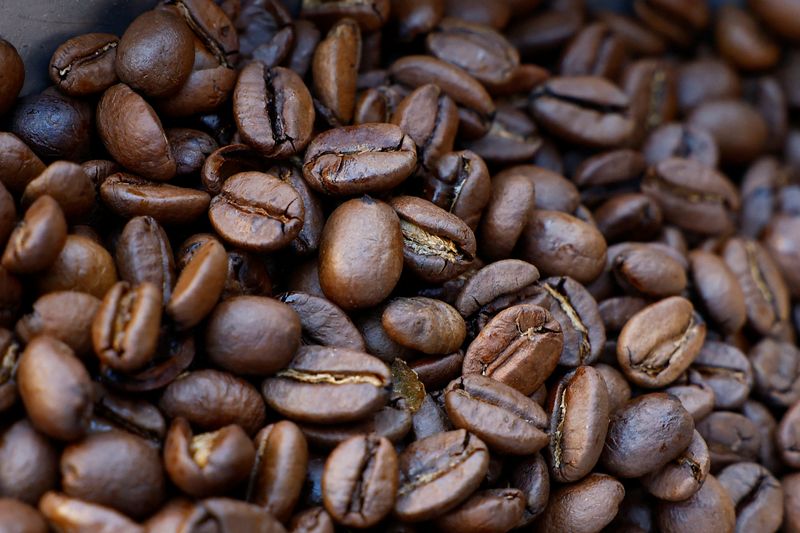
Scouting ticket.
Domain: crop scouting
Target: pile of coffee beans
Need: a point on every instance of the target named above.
(469, 266)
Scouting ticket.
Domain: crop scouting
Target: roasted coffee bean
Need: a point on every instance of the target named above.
(190, 149)
(791, 502)
(130, 196)
(738, 129)
(307, 240)
(776, 372)
(710, 507)
(756, 494)
(134, 415)
(115, 469)
(273, 110)
(631, 216)
(210, 399)
(705, 80)
(29, 463)
(155, 54)
(779, 239)
(588, 505)
(731, 438)
(360, 253)
(741, 41)
(323, 322)
(512, 199)
(226, 515)
(553, 191)
(492, 510)
(64, 315)
(718, 290)
(55, 389)
(252, 335)
(681, 140)
(18, 516)
(430, 118)
(85, 64)
(647, 433)
(312, 520)
(767, 425)
(766, 296)
(15, 75)
(696, 399)
(439, 472)
(546, 31)
(279, 469)
(207, 463)
(37, 240)
(199, 285)
(361, 159)
(459, 184)
(425, 325)
(619, 390)
(435, 372)
(595, 51)
(75, 514)
(646, 270)
(335, 68)
(520, 347)
(725, 370)
(683, 476)
(579, 414)
(561, 244)
(693, 196)
(651, 86)
(257, 211)
(328, 385)
(787, 437)
(144, 254)
(227, 161)
(360, 481)
(655, 357)
(132, 133)
(617, 310)
(437, 245)
(586, 110)
(393, 423)
(530, 476)
(67, 184)
(370, 14)
(505, 419)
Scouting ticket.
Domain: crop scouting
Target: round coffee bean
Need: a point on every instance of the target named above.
(37, 240)
(588, 505)
(710, 507)
(423, 324)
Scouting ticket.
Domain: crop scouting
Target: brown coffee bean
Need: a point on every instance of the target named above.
(190, 149)
(756, 494)
(646, 434)
(74, 514)
(492, 510)
(655, 357)
(512, 137)
(67, 184)
(84, 64)
(512, 199)
(143, 254)
(786, 437)
(37, 240)
(430, 118)
(273, 110)
(257, 211)
(252, 335)
(393, 423)
(335, 70)
(560, 244)
(709, 507)
(725, 370)
(741, 40)
(132, 133)
(586, 110)
(323, 322)
(55, 389)
(437, 245)
(64, 315)
(307, 241)
(619, 390)
(460, 184)
(530, 476)
(505, 419)
(328, 385)
(18, 516)
(29, 463)
(779, 239)
(370, 14)
(359, 159)
(578, 424)
(718, 290)
(492, 282)
(776, 372)
(588, 505)
(698, 400)
(739, 130)
(130, 196)
(115, 469)
(279, 471)
(731, 438)
(155, 54)
(439, 472)
(360, 481)
(681, 140)
(199, 285)
(425, 325)
(360, 254)
(207, 463)
(126, 327)
(683, 476)
(210, 399)
(435, 372)
(520, 347)
(646, 270)
(227, 516)
(15, 75)
(135, 415)
(227, 161)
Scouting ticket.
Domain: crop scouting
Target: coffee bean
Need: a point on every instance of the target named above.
(787, 437)
(709, 507)
(696, 399)
(683, 476)
(681, 140)
(598, 497)
(144, 254)
(370, 14)
(439, 472)
(335, 70)
(360, 481)
(30, 463)
(756, 494)
(425, 325)
(731, 438)
(718, 290)
(20, 516)
(199, 285)
(648, 271)
(430, 118)
(391, 422)
(328, 385)
(492, 282)
(738, 129)
(37, 240)
(67, 184)
(505, 419)
(512, 199)
(74, 513)
(725, 370)
(257, 212)
(459, 184)
(12, 83)
(84, 64)
(656, 357)
(520, 347)
(489, 510)
(646, 434)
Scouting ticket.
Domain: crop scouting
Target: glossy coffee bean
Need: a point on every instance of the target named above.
(358, 269)
(335, 71)
(683, 476)
(603, 494)
(115, 469)
(430, 118)
(85, 64)
(648, 271)
(199, 285)
(257, 212)
(328, 385)
(68, 185)
(55, 388)
(656, 357)
(323, 322)
(64, 315)
(360, 481)
(144, 254)
(756, 494)
(252, 335)
(725, 370)
(439, 472)
(711, 507)
(492, 510)
(19, 516)
(788, 435)
(30, 463)
(12, 82)
(37, 240)
(718, 289)
(649, 423)
(232, 401)
(520, 347)
(731, 438)
(579, 415)
(190, 149)
(460, 183)
(370, 15)
(512, 199)
(423, 324)
(502, 417)
(738, 129)
(67, 513)
(130, 196)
